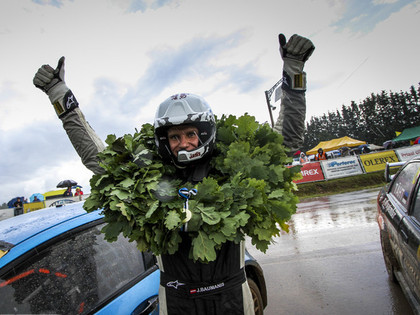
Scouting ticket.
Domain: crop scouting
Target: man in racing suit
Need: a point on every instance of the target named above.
(185, 134)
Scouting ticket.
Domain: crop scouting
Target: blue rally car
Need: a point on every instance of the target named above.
(56, 261)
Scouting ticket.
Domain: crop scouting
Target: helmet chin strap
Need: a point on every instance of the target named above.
(188, 156)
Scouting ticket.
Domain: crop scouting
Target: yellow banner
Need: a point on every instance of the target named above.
(54, 193)
(376, 161)
(28, 207)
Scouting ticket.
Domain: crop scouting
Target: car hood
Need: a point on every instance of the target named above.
(17, 229)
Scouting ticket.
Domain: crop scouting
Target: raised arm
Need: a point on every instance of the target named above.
(82, 136)
(291, 120)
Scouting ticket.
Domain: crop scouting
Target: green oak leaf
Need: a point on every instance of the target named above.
(172, 220)
(208, 214)
(127, 182)
(203, 248)
(152, 209)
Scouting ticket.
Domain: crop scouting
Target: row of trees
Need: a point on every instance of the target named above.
(374, 120)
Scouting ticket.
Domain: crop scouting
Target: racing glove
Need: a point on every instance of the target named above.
(294, 53)
(51, 81)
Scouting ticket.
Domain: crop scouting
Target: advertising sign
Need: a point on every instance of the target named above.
(311, 172)
(342, 167)
(32, 206)
(373, 162)
(408, 153)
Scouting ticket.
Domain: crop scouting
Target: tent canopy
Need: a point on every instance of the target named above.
(335, 144)
(408, 134)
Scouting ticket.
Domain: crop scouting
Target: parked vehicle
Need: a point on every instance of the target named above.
(56, 260)
(399, 223)
(333, 154)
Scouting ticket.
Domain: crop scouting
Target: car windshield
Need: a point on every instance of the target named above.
(72, 276)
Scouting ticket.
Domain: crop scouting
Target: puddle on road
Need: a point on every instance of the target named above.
(328, 223)
(356, 209)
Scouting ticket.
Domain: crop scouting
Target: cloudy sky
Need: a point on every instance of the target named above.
(123, 57)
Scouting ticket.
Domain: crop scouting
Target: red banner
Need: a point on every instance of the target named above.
(311, 172)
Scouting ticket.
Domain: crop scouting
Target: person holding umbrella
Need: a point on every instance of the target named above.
(68, 192)
(18, 203)
(68, 183)
(18, 206)
(36, 197)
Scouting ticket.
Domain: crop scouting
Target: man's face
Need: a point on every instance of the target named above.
(182, 138)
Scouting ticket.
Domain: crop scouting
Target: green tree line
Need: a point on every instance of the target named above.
(374, 120)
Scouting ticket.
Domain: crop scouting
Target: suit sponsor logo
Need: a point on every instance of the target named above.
(70, 102)
(208, 288)
(174, 284)
(196, 154)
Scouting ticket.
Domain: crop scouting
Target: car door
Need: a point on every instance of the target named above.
(79, 272)
(395, 204)
(410, 247)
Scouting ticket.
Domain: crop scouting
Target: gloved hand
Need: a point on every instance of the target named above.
(51, 81)
(295, 52)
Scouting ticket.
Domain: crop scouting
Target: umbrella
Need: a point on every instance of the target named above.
(77, 186)
(11, 202)
(66, 183)
(38, 195)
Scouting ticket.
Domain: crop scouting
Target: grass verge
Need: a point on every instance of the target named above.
(341, 185)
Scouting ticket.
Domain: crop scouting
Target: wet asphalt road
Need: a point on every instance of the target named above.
(331, 261)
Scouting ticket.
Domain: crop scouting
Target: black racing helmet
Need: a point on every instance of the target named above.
(185, 109)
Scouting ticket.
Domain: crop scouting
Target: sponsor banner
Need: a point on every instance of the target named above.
(311, 172)
(346, 166)
(408, 153)
(32, 206)
(373, 162)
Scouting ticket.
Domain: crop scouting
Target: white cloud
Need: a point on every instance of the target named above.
(377, 2)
